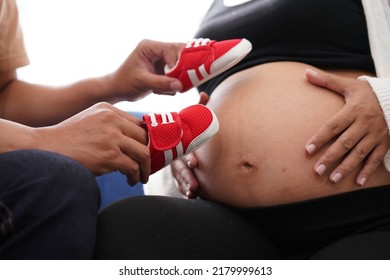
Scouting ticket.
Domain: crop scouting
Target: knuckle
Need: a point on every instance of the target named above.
(144, 42)
(345, 168)
(333, 127)
(144, 153)
(183, 171)
(133, 168)
(111, 154)
(372, 163)
(102, 105)
(105, 170)
(106, 115)
(109, 134)
(346, 143)
(376, 161)
(377, 156)
(360, 153)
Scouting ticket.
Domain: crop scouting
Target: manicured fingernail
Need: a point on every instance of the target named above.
(336, 177)
(320, 169)
(361, 181)
(311, 148)
(312, 72)
(186, 188)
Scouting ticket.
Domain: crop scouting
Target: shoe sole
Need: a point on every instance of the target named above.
(219, 66)
(208, 134)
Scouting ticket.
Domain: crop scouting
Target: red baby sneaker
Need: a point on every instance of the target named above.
(173, 135)
(203, 59)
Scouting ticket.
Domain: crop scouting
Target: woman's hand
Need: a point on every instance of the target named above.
(360, 128)
(182, 169)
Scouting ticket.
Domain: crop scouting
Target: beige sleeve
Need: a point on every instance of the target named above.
(12, 50)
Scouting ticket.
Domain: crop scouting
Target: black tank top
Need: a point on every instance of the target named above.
(322, 33)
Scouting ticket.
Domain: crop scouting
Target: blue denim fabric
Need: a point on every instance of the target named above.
(48, 207)
(6, 223)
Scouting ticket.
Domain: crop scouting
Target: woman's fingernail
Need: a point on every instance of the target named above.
(361, 181)
(312, 72)
(185, 188)
(336, 177)
(311, 148)
(320, 169)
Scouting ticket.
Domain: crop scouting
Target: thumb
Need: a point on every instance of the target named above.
(191, 160)
(326, 80)
(203, 98)
(161, 84)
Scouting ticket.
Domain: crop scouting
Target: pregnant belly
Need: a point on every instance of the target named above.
(267, 113)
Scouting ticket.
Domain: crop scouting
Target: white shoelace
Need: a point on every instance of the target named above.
(165, 118)
(197, 42)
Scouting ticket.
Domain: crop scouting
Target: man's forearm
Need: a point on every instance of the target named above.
(38, 105)
(15, 136)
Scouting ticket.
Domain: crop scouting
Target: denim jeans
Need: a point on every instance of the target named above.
(48, 207)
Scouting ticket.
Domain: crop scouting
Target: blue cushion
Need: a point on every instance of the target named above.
(113, 187)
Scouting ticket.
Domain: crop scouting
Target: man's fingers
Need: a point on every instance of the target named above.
(162, 84)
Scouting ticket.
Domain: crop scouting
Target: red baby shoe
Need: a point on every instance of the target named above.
(173, 135)
(203, 59)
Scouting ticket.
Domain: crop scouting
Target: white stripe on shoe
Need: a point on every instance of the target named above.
(192, 74)
(203, 71)
(193, 77)
(168, 157)
(179, 150)
(168, 154)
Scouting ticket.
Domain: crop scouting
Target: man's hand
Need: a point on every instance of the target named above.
(143, 71)
(104, 139)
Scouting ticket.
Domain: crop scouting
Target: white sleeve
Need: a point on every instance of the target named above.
(381, 87)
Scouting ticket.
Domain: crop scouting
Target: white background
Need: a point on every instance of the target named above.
(68, 40)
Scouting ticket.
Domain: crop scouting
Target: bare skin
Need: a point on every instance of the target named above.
(362, 133)
(267, 115)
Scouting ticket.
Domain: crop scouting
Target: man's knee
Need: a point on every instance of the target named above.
(51, 197)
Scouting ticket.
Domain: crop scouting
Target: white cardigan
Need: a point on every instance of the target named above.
(377, 14)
